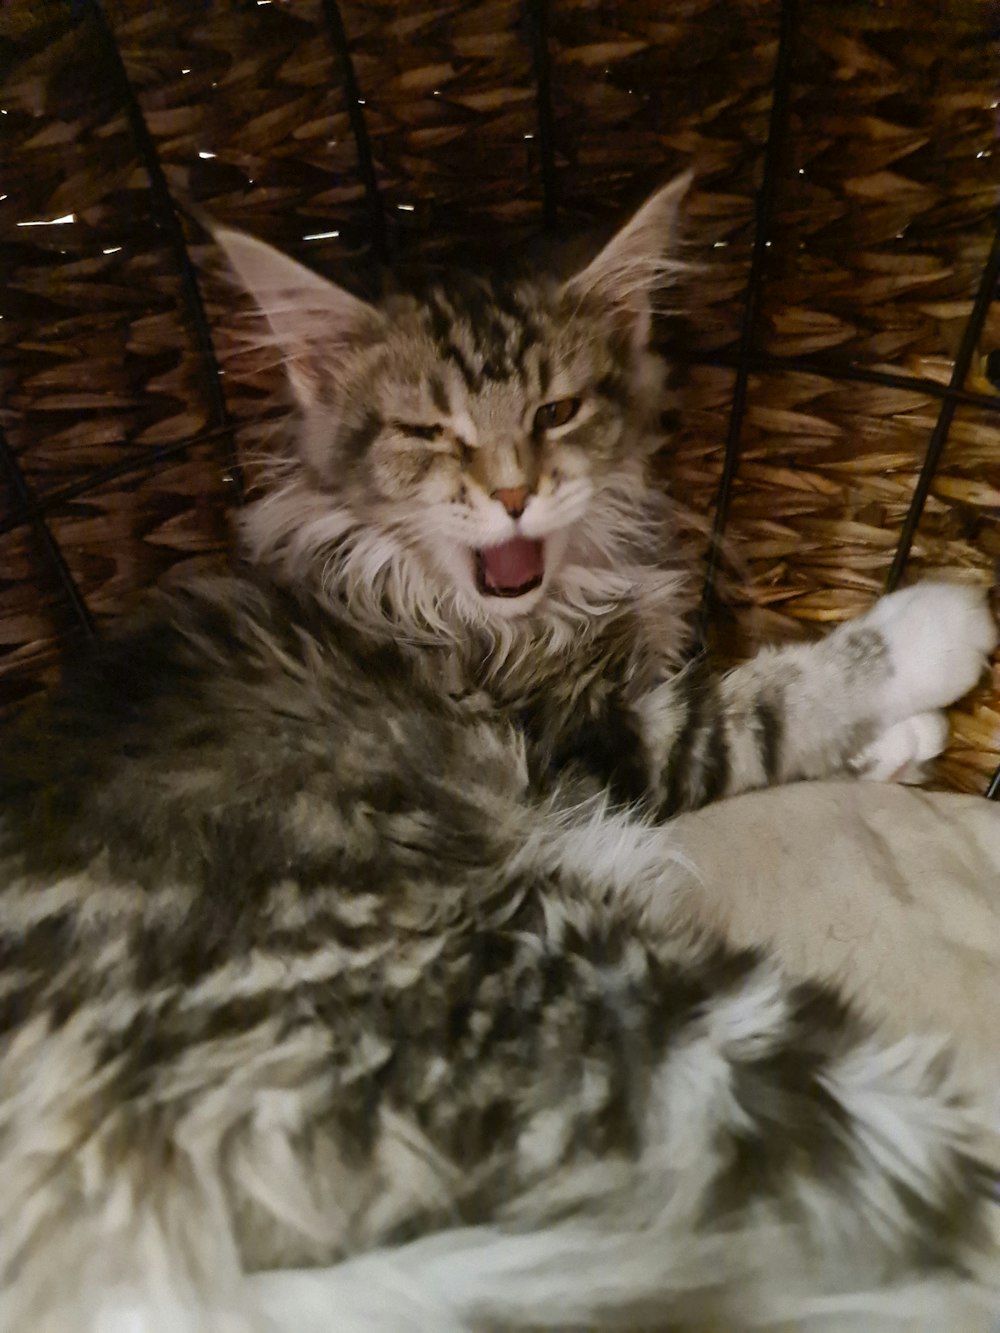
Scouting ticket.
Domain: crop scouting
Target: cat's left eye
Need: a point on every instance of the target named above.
(551, 415)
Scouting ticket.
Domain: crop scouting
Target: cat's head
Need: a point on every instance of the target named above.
(473, 451)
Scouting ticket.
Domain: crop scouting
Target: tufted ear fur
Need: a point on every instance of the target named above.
(308, 315)
(637, 260)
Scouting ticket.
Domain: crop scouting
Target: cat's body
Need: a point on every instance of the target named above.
(323, 921)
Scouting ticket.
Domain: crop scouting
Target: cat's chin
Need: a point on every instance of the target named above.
(510, 603)
(512, 608)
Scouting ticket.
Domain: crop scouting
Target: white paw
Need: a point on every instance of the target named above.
(900, 753)
(939, 637)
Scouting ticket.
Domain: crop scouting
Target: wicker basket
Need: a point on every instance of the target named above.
(836, 413)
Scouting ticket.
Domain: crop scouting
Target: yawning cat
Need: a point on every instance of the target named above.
(329, 997)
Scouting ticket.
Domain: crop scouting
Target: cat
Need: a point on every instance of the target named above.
(330, 994)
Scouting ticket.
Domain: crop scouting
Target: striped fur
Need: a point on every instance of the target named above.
(329, 994)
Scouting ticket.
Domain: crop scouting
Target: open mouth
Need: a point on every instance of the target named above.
(510, 569)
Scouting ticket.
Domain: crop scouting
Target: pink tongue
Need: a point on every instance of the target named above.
(513, 564)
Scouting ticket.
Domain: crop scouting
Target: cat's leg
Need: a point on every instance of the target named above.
(776, 1163)
(576, 1277)
(864, 700)
(789, 1171)
(384, 1292)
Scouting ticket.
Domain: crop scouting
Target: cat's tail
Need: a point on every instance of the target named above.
(564, 1277)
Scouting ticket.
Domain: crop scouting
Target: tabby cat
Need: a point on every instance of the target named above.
(330, 994)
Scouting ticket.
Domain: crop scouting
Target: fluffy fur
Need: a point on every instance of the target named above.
(329, 994)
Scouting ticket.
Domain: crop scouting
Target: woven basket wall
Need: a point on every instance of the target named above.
(837, 418)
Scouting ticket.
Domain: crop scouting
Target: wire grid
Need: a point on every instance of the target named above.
(31, 511)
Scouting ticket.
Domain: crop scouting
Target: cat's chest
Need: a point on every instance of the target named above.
(575, 719)
(538, 692)
(452, 678)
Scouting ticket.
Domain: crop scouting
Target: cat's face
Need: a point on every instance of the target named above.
(479, 425)
(482, 437)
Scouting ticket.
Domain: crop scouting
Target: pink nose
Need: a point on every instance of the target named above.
(513, 499)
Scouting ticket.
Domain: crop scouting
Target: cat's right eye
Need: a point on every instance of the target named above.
(418, 431)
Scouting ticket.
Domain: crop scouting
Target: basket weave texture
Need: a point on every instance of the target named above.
(837, 410)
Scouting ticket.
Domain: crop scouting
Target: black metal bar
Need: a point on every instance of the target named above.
(834, 371)
(777, 127)
(538, 17)
(47, 541)
(133, 463)
(168, 223)
(359, 128)
(939, 435)
(993, 790)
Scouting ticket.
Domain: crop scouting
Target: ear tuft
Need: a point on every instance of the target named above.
(308, 315)
(637, 261)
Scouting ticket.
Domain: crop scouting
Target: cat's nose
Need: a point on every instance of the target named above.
(513, 499)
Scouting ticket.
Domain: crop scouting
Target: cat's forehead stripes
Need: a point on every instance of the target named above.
(486, 328)
(438, 392)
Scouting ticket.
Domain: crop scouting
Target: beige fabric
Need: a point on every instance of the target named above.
(892, 892)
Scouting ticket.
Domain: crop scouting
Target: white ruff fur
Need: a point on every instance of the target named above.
(402, 578)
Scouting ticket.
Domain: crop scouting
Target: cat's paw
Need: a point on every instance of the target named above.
(901, 751)
(938, 638)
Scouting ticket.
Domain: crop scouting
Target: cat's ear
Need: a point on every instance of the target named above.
(637, 260)
(309, 317)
